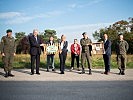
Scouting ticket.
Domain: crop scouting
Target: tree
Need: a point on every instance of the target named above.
(47, 33)
(124, 27)
(18, 37)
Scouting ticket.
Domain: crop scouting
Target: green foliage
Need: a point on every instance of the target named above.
(124, 27)
(19, 35)
(47, 33)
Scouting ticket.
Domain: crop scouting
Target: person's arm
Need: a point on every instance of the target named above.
(127, 46)
(65, 47)
(108, 46)
(14, 47)
(2, 46)
(78, 51)
(72, 49)
(82, 43)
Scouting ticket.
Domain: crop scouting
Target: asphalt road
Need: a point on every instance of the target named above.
(66, 90)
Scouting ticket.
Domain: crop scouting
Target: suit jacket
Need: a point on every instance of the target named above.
(48, 42)
(64, 47)
(35, 45)
(107, 47)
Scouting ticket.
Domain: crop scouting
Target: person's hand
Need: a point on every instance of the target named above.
(14, 54)
(75, 53)
(45, 53)
(3, 54)
(60, 51)
(42, 44)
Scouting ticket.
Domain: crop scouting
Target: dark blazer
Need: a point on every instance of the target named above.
(48, 42)
(65, 47)
(35, 45)
(107, 47)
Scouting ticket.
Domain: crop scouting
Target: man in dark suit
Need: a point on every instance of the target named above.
(35, 51)
(107, 54)
(63, 53)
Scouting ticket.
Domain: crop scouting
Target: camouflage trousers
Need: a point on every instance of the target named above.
(85, 56)
(121, 60)
(8, 62)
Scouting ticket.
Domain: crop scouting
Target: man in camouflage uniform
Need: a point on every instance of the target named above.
(8, 52)
(86, 52)
(121, 49)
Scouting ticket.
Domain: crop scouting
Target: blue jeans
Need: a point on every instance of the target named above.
(50, 61)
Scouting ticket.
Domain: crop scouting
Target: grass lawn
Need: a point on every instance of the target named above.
(23, 61)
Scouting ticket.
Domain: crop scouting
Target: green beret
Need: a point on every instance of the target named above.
(9, 30)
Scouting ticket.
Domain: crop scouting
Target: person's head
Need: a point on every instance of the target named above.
(85, 35)
(105, 36)
(63, 38)
(75, 41)
(120, 37)
(9, 32)
(51, 38)
(35, 32)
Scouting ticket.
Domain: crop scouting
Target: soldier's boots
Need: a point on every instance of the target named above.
(121, 72)
(6, 75)
(9, 74)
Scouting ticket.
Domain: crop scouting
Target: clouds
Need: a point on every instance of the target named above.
(8, 15)
(20, 18)
(75, 31)
(84, 4)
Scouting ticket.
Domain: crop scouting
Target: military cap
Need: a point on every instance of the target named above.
(9, 30)
(84, 33)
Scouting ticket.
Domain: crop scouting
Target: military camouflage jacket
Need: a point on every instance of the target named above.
(8, 45)
(85, 47)
(121, 47)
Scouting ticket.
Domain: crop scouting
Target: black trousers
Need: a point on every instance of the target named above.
(73, 56)
(33, 59)
(107, 62)
(62, 57)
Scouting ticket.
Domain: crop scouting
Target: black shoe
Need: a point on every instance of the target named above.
(83, 72)
(32, 74)
(122, 73)
(6, 75)
(47, 70)
(38, 73)
(53, 70)
(78, 69)
(11, 75)
(62, 73)
(90, 72)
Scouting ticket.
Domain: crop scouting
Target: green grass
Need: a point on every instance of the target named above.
(23, 61)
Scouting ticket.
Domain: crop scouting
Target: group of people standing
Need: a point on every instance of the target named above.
(8, 50)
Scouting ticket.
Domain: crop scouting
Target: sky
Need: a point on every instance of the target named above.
(68, 17)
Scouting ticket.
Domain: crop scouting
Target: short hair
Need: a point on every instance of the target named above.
(9, 30)
(120, 34)
(75, 39)
(84, 33)
(35, 30)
